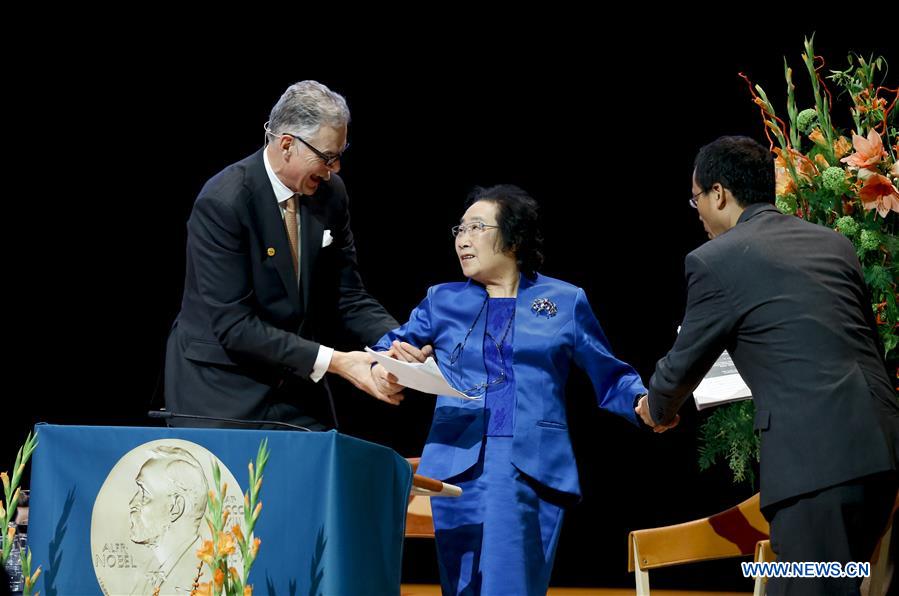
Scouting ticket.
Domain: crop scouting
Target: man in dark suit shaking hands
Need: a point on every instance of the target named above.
(788, 300)
(270, 260)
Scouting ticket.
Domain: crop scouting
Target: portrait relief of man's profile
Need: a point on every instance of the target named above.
(166, 512)
(148, 518)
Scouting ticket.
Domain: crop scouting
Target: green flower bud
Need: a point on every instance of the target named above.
(787, 204)
(806, 120)
(847, 225)
(869, 240)
(834, 179)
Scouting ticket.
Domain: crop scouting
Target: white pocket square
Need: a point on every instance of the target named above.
(327, 238)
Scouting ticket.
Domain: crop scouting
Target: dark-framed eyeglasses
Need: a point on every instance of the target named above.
(328, 159)
(475, 227)
(693, 202)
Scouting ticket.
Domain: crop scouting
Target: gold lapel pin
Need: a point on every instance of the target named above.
(270, 251)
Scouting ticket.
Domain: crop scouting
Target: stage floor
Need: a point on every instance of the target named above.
(432, 590)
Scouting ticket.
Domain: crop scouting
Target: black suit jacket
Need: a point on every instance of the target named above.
(788, 300)
(245, 340)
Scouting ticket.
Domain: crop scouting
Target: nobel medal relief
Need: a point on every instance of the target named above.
(148, 518)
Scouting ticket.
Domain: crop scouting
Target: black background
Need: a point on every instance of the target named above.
(110, 136)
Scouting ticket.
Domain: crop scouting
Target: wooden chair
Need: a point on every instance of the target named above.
(738, 531)
(731, 533)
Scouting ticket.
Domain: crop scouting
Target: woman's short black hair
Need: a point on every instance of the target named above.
(517, 214)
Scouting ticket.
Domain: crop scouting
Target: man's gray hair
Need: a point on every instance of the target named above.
(185, 476)
(307, 106)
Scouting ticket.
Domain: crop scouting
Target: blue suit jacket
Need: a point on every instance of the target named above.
(543, 349)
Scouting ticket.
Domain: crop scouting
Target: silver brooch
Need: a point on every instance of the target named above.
(544, 306)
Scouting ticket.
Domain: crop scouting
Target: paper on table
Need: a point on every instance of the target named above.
(721, 385)
(421, 376)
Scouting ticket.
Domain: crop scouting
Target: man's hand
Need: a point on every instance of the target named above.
(386, 382)
(355, 367)
(409, 353)
(642, 411)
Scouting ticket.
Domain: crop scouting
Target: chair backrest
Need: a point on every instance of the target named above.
(731, 533)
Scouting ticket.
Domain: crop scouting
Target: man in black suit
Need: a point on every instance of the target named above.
(788, 300)
(270, 260)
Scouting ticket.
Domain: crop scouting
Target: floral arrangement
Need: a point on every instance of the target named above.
(8, 507)
(239, 537)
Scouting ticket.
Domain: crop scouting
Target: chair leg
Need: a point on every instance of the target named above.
(760, 586)
(879, 567)
(641, 577)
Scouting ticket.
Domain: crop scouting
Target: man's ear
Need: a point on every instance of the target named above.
(285, 144)
(722, 196)
(177, 508)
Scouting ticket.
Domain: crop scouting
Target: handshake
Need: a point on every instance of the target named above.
(642, 411)
(357, 368)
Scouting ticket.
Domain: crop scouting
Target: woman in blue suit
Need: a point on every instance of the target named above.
(510, 335)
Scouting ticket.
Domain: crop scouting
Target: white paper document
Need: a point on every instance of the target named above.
(722, 385)
(421, 376)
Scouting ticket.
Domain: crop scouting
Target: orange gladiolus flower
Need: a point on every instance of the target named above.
(238, 533)
(226, 544)
(205, 552)
(783, 182)
(842, 146)
(804, 167)
(817, 137)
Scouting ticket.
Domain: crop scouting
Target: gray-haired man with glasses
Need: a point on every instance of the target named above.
(270, 258)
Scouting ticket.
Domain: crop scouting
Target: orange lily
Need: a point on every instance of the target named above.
(879, 193)
(868, 152)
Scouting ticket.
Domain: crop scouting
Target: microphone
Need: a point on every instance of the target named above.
(168, 415)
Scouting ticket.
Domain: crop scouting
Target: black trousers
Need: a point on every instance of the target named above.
(841, 523)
